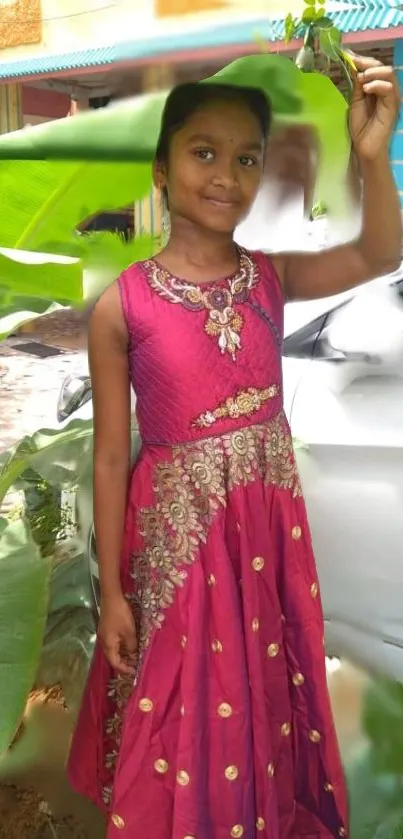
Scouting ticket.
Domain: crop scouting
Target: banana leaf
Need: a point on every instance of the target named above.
(19, 309)
(58, 277)
(24, 592)
(105, 255)
(58, 456)
(33, 285)
(375, 799)
(44, 201)
(128, 130)
(382, 720)
(325, 108)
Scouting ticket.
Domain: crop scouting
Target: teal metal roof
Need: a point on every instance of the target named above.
(360, 16)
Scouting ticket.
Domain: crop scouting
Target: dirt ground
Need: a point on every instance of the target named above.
(66, 328)
(29, 386)
(36, 801)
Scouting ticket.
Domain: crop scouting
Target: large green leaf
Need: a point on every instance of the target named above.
(17, 310)
(129, 130)
(24, 591)
(43, 201)
(383, 724)
(325, 109)
(57, 277)
(107, 255)
(375, 799)
(58, 456)
(98, 259)
(124, 131)
(276, 75)
(34, 284)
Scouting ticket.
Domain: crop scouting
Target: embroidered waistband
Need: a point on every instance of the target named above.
(245, 403)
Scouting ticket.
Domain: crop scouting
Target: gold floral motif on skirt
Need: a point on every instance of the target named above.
(189, 491)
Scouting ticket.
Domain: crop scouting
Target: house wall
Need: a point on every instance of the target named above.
(32, 28)
(40, 105)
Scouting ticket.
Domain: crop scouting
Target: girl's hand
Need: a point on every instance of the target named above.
(374, 108)
(117, 633)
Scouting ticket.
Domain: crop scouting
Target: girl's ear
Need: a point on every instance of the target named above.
(159, 175)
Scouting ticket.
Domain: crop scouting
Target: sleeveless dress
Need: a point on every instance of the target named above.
(227, 729)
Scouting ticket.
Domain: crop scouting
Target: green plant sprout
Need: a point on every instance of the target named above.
(322, 42)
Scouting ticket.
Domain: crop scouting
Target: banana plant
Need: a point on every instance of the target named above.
(27, 573)
(24, 591)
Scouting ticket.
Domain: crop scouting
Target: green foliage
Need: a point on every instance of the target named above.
(58, 456)
(24, 589)
(44, 202)
(58, 279)
(382, 715)
(18, 309)
(40, 465)
(321, 40)
(43, 511)
(375, 777)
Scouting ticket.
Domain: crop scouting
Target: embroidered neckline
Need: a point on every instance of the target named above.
(207, 284)
(217, 299)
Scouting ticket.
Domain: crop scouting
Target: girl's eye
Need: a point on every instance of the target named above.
(246, 160)
(204, 154)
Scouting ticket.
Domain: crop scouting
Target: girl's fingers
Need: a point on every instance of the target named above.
(117, 661)
(363, 62)
(379, 88)
(381, 71)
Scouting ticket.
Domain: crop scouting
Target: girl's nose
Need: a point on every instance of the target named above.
(226, 177)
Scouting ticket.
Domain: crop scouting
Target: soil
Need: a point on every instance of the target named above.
(36, 801)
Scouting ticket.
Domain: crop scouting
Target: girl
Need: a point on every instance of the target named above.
(206, 714)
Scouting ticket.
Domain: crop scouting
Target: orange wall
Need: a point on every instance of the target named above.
(165, 8)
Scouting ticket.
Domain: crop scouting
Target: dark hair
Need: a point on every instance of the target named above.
(187, 98)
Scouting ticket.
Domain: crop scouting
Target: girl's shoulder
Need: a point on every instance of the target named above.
(128, 285)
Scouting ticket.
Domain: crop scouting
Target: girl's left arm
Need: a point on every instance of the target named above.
(377, 251)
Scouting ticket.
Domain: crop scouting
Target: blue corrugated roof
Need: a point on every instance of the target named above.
(360, 16)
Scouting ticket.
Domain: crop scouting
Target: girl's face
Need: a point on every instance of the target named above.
(215, 166)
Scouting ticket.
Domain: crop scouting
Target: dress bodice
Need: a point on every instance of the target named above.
(204, 360)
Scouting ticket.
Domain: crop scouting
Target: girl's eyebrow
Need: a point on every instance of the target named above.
(207, 138)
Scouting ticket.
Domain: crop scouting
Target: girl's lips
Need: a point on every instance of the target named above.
(225, 205)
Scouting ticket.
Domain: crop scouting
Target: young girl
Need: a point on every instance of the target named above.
(206, 714)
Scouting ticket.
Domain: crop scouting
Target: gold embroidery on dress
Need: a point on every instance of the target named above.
(218, 300)
(189, 491)
(244, 404)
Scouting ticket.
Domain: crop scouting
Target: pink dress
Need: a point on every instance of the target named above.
(227, 730)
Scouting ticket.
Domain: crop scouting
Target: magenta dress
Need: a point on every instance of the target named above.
(227, 729)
